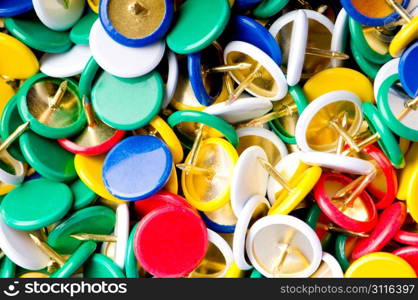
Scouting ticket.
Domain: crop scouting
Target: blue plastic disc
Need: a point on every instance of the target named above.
(219, 228)
(245, 4)
(408, 66)
(11, 8)
(367, 19)
(122, 32)
(137, 167)
(248, 30)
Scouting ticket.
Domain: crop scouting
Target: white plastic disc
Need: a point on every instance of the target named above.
(329, 268)
(298, 45)
(265, 244)
(122, 61)
(66, 64)
(249, 178)
(338, 163)
(339, 37)
(121, 233)
(396, 103)
(172, 79)
(19, 170)
(19, 248)
(255, 203)
(388, 69)
(315, 106)
(266, 61)
(242, 110)
(224, 248)
(55, 15)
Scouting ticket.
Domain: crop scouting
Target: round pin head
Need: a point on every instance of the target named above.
(245, 29)
(387, 141)
(100, 266)
(411, 204)
(372, 13)
(314, 131)
(47, 157)
(256, 208)
(170, 232)
(12, 171)
(90, 220)
(169, 70)
(390, 221)
(21, 63)
(369, 68)
(94, 5)
(245, 4)
(122, 234)
(269, 8)
(344, 245)
(407, 63)
(12, 242)
(136, 23)
(198, 25)
(222, 220)
(408, 234)
(410, 254)
(36, 204)
(127, 104)
(337, 79)
(36, 35)
(10, 8)
(405, 37)
(7, 268)
(131, 263)
(339, 36)
(380, 265)
(319, 222)
(58, 15)
(329, 268)
(80, 32)
(283, 246)
(141, 156)
(120, 60)
(83, 196)
(67, 64)
(411, 167)
(76, 260)
(268, 81)
(52, 106)
(358, 216)
(388, 69)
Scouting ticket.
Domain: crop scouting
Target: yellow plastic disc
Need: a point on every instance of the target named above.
(6, 91)
(34, 275)
(172, 184)
(94, 5)
(404, 37)
(405, 180)
(287, 201)
(234, 272)
(411, 199)
(404, 145)
(210, 192)
(17, 61)
(336, 79)
(5, 188)
(380, 265)
(89, 169)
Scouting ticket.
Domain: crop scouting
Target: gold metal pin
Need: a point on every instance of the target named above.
(11, 138)
(285, 110)
(326, 53)
(54, 256)
(331, 227)
(94, 237)
(275, 174)
(400, 10)
(410, 105)
(244, 84)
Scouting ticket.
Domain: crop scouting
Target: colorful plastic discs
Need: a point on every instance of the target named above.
(120, 60)
(100, 266)
(10, 8)
(407, 67)
(18, 61)
(83, 196)
(268, 8)
(47, 157)
(410, 254)
(168, 233)
(141, 156)
(91, 220)
(380, 265)
(36, 204)
(80, 33)
(199, 24)
(36, 35)
(127, 104)
(136, 23)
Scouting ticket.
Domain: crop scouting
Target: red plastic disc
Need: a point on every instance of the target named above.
(390, 221)
(410, 254)
(408, 235)
(159, 200)
(324, 200)
(170, 242)
(70, 146)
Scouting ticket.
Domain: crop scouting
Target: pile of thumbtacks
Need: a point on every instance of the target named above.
(208, 138)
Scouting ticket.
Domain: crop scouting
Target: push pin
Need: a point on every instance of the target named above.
(52, 254)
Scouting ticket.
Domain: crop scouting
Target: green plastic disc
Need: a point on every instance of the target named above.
(369, 68)
(199, 23)
(93, 220)
(63, 123)
(10, 120)
(100, 266)
(131, 263)
(385, 107)
(81, 31)
(204, 118)
(87, 77)
(358, 38)
(312, 220)
(301, 102)
(76, 260)
(127, 104)
(387, 140)
(83, 196)
(7, 268)
(269, 8)
(340, 254)
(36, 204)
(36, 35)
(47, 157)
(256, 274)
